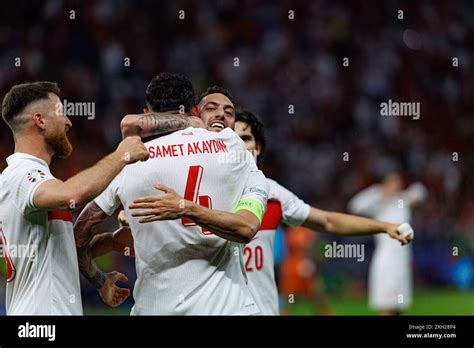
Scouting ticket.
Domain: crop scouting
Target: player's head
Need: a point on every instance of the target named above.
(392, 182)
(252, 131)
(170, 92)
(216, 109)
(34, 110)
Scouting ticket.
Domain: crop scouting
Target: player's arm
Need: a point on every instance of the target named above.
(120, 241)
(297, 213)
(85, 228)
(77, 191)
(416, 193)
(349, 225)
(240, 226)
(366, 201)
(157, 123)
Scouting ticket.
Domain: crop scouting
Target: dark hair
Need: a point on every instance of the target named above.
(19, 96)
(257, 128)
(215, 89)
(168, 91)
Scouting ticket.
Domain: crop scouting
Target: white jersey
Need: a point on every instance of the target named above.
(390, 273)
(283, 206)
(181, 268)
(38, 245)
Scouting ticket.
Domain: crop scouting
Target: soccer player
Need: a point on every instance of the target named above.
(390, 293)
(283, 205)
(35, 207)
(189, 263)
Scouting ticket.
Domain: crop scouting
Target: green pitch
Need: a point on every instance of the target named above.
(425, 302)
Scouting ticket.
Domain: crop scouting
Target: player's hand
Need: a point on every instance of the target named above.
(122, 219)
(123, 241)
(110, 293)
(132, 149)
(169, 206)
(393, 232)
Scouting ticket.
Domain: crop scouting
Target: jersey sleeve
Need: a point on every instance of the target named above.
(366, 202)
(25, 184)
(294, 210)
(255, 195)
(109, 199)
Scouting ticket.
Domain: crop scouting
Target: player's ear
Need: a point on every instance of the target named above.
(258, 149)
(146, 110)
(39, 121)
(194, 111)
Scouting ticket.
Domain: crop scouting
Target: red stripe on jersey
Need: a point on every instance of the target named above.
(272, 216)
(59, 215)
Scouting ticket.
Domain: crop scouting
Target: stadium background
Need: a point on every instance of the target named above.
(284, 62)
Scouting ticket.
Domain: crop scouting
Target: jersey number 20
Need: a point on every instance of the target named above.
(254, 256)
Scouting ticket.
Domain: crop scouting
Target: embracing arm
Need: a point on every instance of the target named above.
(120, 241)
(83, 187)
(85, 229)
(239, 227)
(157, 123)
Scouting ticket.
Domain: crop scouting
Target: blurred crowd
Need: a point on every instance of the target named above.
(284, 61)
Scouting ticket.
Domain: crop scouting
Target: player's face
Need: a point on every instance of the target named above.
(244, 131)
(217, 112)
(392, 184)
(57, 125)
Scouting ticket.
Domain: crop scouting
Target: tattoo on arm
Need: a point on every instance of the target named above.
(161, 123)
(84, 229)
(87, 222)
(88, 267)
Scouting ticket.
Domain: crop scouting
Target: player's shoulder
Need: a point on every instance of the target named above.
(20, 164)
(277, 191)
(227, 135)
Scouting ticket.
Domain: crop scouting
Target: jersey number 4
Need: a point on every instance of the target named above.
(11, 270)
(191, 193)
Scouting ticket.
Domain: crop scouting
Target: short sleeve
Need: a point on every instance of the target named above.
(255, 195)
(28, 179)
(294, 210)
(109, 199)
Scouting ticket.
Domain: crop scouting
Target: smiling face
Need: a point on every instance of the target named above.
(217, 112)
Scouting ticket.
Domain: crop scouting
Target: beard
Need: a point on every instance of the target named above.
(60, 144)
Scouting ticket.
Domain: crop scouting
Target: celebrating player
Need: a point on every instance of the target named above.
(34, 206)
(283, 205)
(190, 263)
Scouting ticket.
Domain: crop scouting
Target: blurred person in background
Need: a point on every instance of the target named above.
(390, 272)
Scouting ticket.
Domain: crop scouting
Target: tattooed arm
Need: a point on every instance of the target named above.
(157, 123)
(85, 228)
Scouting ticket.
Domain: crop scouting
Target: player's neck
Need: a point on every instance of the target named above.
(34, 147)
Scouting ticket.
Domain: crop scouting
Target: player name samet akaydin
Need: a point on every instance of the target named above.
(393, 108)
(37, 331)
